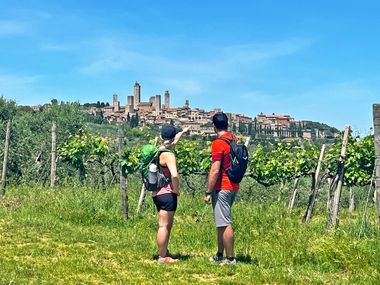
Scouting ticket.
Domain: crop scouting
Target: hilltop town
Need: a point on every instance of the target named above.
(156, 112)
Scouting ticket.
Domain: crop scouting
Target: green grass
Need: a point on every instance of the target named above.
(77, 236)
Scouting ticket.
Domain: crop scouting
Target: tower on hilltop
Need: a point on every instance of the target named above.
(136, 95)
(115, 103)
(130, 105)
(158, 104)
(167, 100)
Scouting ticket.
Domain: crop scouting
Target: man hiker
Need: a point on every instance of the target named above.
(221, 191)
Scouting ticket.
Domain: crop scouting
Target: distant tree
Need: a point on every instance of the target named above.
(249, 128)
(98, 104)
(7, 109)
(107, 104)
(242, 128)
(133, 122)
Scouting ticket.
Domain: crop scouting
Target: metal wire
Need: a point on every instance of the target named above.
(364, 217)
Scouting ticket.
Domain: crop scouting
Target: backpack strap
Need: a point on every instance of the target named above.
(161, 151)
(225, 140)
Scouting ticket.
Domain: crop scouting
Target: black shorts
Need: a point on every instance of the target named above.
(167, 202)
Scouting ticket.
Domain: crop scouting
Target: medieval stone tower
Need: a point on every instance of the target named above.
(167, 100)
(136, 95)
(158, 104)
(115, 103)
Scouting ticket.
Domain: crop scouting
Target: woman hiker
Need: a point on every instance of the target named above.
(165, 198)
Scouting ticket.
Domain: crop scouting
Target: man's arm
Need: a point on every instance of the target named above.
(212, 178)
(213, 175)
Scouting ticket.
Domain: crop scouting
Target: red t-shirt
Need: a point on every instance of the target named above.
(220, 151)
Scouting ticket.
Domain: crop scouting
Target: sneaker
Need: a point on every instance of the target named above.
(168, 254)
(217, 258)
(229, 261)
(167, 259)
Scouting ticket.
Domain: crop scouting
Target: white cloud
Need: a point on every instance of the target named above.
(56, 47)
(182, 86)
(16, 80)
(211, 71)
(19, 87)
(112, 54)
(260, 52)
(12, 28)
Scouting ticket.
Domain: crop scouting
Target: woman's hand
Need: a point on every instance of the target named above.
(186, 130)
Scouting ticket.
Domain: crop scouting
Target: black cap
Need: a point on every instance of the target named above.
(168, 132)
(220, 121)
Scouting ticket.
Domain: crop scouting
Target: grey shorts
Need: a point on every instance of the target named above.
(222, 201)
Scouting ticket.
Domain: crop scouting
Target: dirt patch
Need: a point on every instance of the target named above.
(10, 203)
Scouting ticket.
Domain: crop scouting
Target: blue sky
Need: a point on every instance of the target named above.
(315, 60)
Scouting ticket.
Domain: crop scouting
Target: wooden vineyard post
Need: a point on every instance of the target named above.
(53, 170)
(143, 191)
(123, 175)
(351, 207)
(5, 160)
(335, 207)
(315, 189)
(376, 126)
(294, 195)
(330, 181)
(141, 199)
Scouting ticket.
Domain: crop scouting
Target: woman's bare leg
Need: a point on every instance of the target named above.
(164, 228)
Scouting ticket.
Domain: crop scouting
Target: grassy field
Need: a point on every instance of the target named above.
(77, 236)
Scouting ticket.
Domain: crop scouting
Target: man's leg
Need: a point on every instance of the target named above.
(220, 233)
(223, 219)
(228, 240)
(164, 229)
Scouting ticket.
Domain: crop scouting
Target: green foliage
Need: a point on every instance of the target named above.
(29, 157)
(7, 109)
(192, 157)
(94, 152)
(282, 162)
(81, 148)
(359, 163)
(130, 161)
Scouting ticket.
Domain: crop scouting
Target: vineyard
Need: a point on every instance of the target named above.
(64, 153)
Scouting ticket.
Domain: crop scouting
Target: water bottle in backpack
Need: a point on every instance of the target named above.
(152, 174)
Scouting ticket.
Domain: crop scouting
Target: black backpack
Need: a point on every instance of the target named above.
(239, 160)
